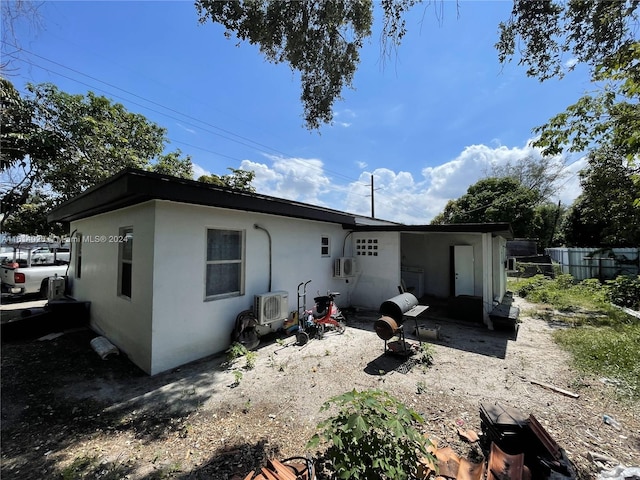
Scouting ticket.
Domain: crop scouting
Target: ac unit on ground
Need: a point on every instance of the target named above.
(55, 288)
(344, 267)
(271, 307)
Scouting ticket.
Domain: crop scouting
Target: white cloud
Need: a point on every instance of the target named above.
(569, 64)
(345, 115)
(570, 187)
(198, 171)
(361, 165)
(398, 196)
(301, 179)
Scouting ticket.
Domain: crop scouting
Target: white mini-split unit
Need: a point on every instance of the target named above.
(344, 267)
(271, 307)
(55, 288)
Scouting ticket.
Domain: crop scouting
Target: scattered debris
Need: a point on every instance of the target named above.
(609, 420)
(469, 435)
(104, 347)
(296, 468)
(598, 457)
(51, 336)
(448, 464)
(556, 389)
(503, 466)
(621, 473)
(426, 333)
(511, 435)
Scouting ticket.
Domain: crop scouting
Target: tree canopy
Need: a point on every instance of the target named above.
(494, 200)
(319, 39)
(56, 145)
(237, 179)
(322, 40)
(604, 214)
(540, 174)
(601, 34)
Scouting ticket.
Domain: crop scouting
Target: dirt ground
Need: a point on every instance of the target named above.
(66, 413)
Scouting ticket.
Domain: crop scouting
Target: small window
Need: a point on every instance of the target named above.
(325, 245)
(125, 262)
(224, 263)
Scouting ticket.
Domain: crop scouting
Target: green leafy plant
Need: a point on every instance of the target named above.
(372, 435)
(426, 353)
(235, 350)
(250, 359)
(624, 291)
(237, 376)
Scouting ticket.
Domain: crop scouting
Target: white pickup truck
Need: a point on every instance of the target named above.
(27, 271)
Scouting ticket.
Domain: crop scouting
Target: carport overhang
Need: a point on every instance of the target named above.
(502, 229)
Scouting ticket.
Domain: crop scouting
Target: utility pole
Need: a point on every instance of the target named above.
(373, 215)
(373, 209)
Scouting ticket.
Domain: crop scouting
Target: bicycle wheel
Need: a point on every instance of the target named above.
(302, 338)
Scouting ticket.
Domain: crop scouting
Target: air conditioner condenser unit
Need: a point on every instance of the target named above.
(344, 267)
(271, 307)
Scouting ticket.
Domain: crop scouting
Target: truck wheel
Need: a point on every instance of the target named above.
(44, 289)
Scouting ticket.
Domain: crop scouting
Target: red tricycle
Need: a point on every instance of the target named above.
(325, 315)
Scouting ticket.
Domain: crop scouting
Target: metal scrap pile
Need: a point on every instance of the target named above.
(515, 447)
(298, 468)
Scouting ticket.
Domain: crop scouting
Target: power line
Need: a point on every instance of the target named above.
(242, 140)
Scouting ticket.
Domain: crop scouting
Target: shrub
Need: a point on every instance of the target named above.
(625, 291)
(372, 435)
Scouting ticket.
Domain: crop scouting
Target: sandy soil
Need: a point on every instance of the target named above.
(97, 418)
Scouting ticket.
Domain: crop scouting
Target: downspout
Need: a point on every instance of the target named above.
(255, 225)
(344, 243)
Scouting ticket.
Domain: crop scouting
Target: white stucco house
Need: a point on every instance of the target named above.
(167, 264)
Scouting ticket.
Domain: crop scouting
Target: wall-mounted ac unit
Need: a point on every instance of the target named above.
(344, 267)
(271, 307)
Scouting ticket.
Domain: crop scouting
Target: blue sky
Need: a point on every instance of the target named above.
(426, 123)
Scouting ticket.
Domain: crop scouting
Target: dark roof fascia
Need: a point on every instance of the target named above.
(132, 186)
(502, 229)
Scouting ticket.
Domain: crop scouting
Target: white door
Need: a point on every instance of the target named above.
(463, 270)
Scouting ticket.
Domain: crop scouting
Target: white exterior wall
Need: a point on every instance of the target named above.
(431, 251)
(125, 322)
(185, 326)
(378, 275)
(499, 268)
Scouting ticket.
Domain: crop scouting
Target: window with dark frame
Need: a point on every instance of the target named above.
(224, 263)
(325, 245)
(125, 262)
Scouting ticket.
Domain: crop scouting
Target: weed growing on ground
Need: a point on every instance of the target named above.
(237, 376)
(372, 435)
(426, 353)
(605, 339)
(250, 359)
(235, 350)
